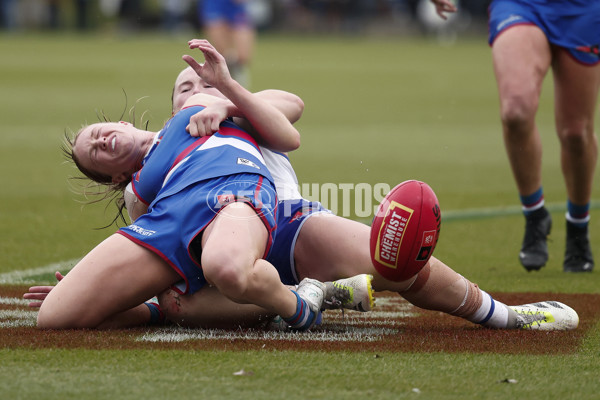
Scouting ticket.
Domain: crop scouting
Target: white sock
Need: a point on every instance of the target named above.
(491, 313)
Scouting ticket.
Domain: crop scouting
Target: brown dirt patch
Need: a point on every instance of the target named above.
(395, 325)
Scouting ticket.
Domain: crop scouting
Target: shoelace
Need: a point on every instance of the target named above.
(528, 318)
(338, 296)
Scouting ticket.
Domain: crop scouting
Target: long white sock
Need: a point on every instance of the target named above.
(491, 313)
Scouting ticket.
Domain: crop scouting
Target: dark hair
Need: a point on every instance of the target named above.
(95, 187)
(99, 187)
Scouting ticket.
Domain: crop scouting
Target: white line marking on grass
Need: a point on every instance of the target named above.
(492, 212)
(11, 301)
(27, 275)
(382, 315)
(351, 335)
(17, 318)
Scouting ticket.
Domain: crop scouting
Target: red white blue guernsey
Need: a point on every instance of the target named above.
(187, 181)
(177, 159)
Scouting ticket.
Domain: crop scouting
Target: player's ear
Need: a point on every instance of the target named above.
(119, 178)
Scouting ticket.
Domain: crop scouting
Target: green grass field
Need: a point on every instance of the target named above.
(377, 111)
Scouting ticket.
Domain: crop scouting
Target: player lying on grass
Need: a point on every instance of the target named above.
(324, 240)
(210, 220)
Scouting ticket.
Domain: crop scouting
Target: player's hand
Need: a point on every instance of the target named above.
(39, 293)
(214, 71)
(444, 6)
(206, 122)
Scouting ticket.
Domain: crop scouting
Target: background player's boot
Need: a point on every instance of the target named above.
(534, 251)
(578, 255)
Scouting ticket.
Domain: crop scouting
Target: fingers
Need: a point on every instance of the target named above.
(202, 45)
(196, 66)
(35, 290)
(202, 124)
(35, 296)
(38, 293)
(444, 6)
(211, 55)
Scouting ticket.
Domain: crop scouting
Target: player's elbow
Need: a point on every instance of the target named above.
(299, 105)
(294, 143)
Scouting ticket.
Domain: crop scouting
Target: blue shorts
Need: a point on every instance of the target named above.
(234, 12)
(291, 216)
(573, 25)
(172, 226)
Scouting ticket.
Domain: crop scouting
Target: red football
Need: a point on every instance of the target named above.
(405, 230)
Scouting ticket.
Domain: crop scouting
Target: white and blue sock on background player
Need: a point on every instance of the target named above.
(533, 202)
(578, 215)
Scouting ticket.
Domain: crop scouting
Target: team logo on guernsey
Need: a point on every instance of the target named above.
(391, 234)
(303, 212)
(511, 19)
(246, 162)
(259, 194)
(141, 231)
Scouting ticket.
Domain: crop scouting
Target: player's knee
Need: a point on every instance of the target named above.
(577, 136)
(518, 111)
(227, 271)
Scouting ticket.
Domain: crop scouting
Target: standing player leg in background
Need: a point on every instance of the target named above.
(227, 25)
(524, 48)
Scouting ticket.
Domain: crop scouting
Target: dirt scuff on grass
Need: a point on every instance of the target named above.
(395, 325)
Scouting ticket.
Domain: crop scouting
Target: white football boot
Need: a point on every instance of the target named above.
(355, 293)
(546, 316)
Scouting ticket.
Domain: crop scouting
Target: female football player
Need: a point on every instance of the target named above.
(328, 247)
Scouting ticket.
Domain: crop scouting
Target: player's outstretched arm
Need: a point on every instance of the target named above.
(274, 128)
(206, 122)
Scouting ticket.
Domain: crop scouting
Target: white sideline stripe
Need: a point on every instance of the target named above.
(17, 314)
(17, 318)
(492, 212)
(383, 315)
(25, 276)
(355, 334)
(11, 301)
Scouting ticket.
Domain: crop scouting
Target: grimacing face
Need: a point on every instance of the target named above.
(109, 148)
(187, 84)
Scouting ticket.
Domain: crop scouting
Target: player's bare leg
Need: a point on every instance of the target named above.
(522, 58)
(208, 308)
(576, 93)
(232, 247)
(76, 302)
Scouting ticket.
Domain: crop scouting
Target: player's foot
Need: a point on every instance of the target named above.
(311, 292)
(578, 255)
(278, 324)
(534, 251)
(546, 316)
(353, 293)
